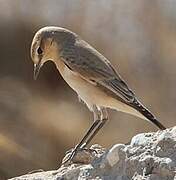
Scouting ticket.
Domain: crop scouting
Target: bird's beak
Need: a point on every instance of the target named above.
(36, 70)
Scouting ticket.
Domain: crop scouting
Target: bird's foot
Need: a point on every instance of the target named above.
(69, 156)
(81, 155)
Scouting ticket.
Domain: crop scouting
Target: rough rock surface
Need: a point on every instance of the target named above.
(149, 156)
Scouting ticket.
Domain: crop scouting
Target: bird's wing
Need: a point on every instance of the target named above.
(94, 67)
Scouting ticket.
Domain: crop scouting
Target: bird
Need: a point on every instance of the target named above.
(90, 74)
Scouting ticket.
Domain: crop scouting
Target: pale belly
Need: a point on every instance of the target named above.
(92, 95)
(88, 92)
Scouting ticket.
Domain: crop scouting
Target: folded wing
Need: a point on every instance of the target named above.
(83, 59)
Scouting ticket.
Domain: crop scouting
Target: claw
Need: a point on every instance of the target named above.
(79, 155)
(70, 157)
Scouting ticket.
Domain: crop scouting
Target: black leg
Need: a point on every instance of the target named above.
(101, 124)
(91, 129)
(104, 118)
(83, 141)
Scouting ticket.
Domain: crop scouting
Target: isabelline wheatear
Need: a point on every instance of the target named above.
(88, 73)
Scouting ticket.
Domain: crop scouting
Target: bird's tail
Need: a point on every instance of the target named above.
(146, 113)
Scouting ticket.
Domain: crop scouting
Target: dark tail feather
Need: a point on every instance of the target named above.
(139, 107)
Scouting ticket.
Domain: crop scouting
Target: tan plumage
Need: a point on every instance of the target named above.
(88, 72)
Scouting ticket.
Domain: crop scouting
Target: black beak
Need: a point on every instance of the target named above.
(36, 70)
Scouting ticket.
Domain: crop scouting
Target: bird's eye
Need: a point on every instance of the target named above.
(39, 51)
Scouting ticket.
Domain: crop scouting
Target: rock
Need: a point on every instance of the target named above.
(149, 156)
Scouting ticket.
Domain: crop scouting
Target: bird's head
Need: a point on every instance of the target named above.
(47, 45)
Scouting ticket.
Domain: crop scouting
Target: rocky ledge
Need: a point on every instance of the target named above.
(149, 156)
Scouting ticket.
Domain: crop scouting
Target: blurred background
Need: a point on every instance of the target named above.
(40, 120)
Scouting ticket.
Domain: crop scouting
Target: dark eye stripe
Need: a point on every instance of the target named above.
(39, 50)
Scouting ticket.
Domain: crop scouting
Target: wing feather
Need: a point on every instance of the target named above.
(83, 59)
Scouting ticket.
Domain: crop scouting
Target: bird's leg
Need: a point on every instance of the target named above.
(82, 143)
(104, 118)
(97, 119)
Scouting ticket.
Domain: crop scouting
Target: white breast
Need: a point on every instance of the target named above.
(92, 95)
(89, 93)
